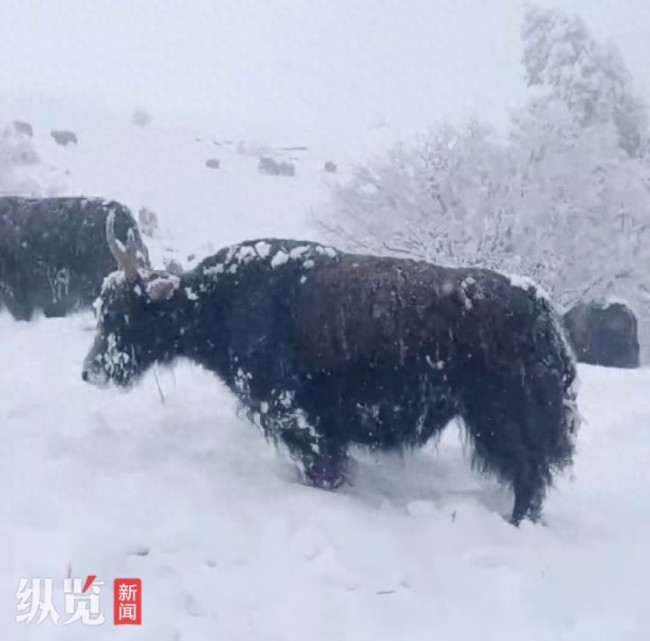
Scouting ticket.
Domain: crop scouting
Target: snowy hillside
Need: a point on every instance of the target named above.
(171, 486)
(163, 168)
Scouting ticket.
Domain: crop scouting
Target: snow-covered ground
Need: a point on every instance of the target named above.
(167, 483)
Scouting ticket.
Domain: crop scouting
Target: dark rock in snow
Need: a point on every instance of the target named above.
(141, 118)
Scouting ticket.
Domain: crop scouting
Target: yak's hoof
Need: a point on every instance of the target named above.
(324, 477)
(534, 516)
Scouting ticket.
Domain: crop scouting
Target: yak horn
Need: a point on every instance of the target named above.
(126, 257)
(142, 248)
(135, 247)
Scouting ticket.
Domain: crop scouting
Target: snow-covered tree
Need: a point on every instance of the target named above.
(575, 186)
(17, 158)
(563, 59)
(444, 198)
(579, 148)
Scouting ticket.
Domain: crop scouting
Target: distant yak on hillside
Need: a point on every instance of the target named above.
(272, 167)
(64, 138)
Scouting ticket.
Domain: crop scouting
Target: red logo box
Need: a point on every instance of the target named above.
(127, 602)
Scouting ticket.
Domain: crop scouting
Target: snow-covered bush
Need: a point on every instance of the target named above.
(440, 199)
(17, 158)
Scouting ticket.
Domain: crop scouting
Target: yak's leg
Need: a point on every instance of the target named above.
(529, 496)
(19, 307)
(55, 309)
(326, 468)
(17, 297)
(323, 461)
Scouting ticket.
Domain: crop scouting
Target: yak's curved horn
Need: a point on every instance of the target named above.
(126, 259)
(142, 248)
(136, 248)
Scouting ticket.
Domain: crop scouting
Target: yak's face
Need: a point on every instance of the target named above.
(132, 316)
(134, 312)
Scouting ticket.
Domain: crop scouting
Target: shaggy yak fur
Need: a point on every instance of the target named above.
(53, 252)
(603, 333)
(327, 350)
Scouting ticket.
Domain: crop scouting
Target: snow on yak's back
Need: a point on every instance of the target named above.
(327, 349)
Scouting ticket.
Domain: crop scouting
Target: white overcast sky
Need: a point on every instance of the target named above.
(303, 64)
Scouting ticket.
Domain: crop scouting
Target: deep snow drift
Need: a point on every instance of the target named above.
(190, 498)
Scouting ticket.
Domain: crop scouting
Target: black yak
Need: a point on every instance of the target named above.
(272, 167)
(603, 332)
(53, 252)
(64, 138)
(327, 350)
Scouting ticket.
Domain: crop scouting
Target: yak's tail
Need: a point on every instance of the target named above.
(521, 411)
(555, 372)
